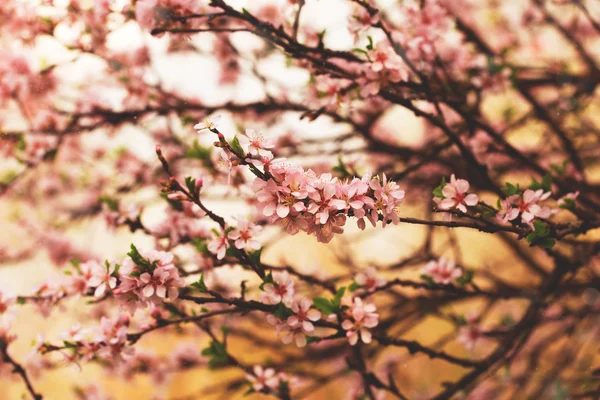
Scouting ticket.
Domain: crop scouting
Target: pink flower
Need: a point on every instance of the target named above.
(280, 291)
(442, 271)
(569, 196)
(369, 279)
(151, 282)
(5, 302)
(455, 195)
(102, 277)
(218, 245)
(257, 144)
(471, 333)
(6, 337)
(209, 123)
(303, 315)
(526, 205)
(263, 378)
(360, 317)
(243, 235)
(386, 190)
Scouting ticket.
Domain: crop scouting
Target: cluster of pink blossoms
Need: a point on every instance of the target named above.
(385, 66)
(301, 200)
(299, 324)
(319, 204)
(442, 271)
(145, 277)
(525, 206)
(358, 319)
(108, 341)
(243, 237)
(266, 379)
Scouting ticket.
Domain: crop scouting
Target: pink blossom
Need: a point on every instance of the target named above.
(359, 318)
(280, 291)
(218, 245)
(5, 302)
(6, 336)
(526, 205)
(102, 278)
(244, 235)
(369, 279)
(442, 271)
(471, 333)
(569, 196)
(256, 143)
(149, 285)
(262, 379)
(455, 195)
(303, 315)
(209, 124)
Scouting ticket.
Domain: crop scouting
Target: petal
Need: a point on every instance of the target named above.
(448, 191)
(471, 199)
(282, 210)
(148, 291)
(365, 335)
(462, 185)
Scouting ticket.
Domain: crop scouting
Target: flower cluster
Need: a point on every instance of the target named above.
(149, 277)
(299, 325)
(358, 319)
(266, 379)
(108, 342)
(525, 206)
(319, 204)
(442, 271)
(145, 277)
(280, 290)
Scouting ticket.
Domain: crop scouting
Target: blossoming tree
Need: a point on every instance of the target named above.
(301, 128)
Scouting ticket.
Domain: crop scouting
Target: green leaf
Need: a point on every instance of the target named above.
(200, 285)
(437, 192)
(139, 260)
(560, 169)
(312, 339)
(510, 189)
(267, 279)
(21, 300)
(175, 204)
(539, 236)
(282, 312)
(546, 183)
(324, 305)
(112, 204)
(199, 152)
(341, 169)
(255, 256)
(337, 299)
(467, 277)
(361, 51)
(237, 147)
(190, 183)
(428, 280)
(370, 45)
(217, 353)
(225, 330)
(200, 245)
(568, 204)
(353, 287)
